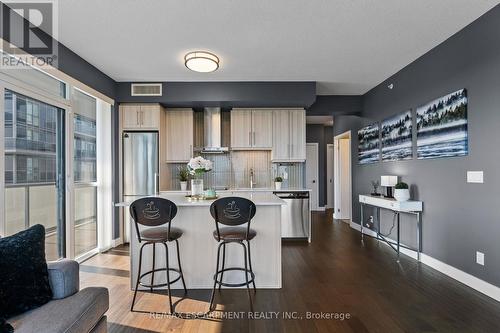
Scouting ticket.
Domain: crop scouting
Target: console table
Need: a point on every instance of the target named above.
(398, 207)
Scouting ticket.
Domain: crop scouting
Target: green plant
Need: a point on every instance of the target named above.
(278, 179)
(401, 186)
(183, 174)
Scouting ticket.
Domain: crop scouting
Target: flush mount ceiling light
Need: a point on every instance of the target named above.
(201, 61)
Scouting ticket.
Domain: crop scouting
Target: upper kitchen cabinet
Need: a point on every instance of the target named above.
(140, 116)
(251, 129)
(179, 135)
(289, 135)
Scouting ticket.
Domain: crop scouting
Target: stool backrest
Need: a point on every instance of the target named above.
(232, 211)
(152, 212)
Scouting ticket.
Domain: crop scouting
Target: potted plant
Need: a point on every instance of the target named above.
(401, 192)
(277, 182)
(183, 177)
(197, 167)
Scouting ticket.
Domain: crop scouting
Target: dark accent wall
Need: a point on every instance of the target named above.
(459, 218)
(72, 64)
(323, 135)
(336, 105)
(226, 94)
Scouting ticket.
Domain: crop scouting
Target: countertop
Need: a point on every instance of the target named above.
(260, 198)
(291, 189)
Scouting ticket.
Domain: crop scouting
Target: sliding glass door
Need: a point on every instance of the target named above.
(35, 179)
(85, 172)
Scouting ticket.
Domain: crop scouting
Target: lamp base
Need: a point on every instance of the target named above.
(388, 193)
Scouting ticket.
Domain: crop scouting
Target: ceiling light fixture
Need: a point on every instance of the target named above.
(201, 61)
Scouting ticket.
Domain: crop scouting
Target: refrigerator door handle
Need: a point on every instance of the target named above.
(157, 190)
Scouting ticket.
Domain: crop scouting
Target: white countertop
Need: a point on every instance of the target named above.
(237, 190)
(260, 198)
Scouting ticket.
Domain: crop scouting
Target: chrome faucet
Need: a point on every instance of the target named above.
(251, 179)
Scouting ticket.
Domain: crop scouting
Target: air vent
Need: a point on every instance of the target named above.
(146, 89)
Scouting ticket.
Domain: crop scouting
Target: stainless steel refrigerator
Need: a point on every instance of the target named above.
(140, 169)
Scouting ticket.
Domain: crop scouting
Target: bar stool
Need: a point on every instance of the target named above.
(233, 212)
(156, 214)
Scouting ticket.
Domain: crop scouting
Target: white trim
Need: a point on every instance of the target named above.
(320, 209)
(336, 174)
(467, 279)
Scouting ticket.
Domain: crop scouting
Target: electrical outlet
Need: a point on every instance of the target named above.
(479, 258)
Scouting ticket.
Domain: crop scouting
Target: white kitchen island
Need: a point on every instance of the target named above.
(198, 248)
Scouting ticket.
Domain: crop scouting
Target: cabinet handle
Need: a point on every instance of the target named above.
(137, 117)
(254, 138)
(250, 138)
(142, 117)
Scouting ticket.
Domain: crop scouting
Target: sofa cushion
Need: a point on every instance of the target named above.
(79, 313)
(24, 279)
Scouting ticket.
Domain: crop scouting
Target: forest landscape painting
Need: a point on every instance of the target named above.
(442, 127)
(397, 137)
(368, 144)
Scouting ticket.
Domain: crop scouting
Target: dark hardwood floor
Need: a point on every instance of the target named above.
(334, 275)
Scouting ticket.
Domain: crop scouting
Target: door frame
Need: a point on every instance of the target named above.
(17, 86)
(329, 168)
(336, 176)
(316, 175)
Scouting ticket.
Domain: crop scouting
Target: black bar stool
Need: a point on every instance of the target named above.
(233, 212)
(156, 214)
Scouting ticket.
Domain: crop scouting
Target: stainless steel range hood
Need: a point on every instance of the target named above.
(212, 128)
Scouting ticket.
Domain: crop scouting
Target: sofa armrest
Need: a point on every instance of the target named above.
(64, 278)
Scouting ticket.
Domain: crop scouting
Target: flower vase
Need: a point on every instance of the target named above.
(196, 187)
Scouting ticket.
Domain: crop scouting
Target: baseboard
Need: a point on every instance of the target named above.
(467, 279)
(116, 242)
(320, 209)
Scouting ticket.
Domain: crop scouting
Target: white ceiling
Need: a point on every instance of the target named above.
(347, 46)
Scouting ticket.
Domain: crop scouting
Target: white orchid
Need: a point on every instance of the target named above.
(198, 165)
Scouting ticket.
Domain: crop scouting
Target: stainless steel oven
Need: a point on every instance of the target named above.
(295, 215)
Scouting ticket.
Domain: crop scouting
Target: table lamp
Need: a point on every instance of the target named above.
(388, 182)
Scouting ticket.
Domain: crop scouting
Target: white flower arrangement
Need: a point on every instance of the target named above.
(198, 165)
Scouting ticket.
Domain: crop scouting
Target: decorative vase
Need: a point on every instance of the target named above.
(402, 194)
(196, 187)
(184, 185)
(277, 185)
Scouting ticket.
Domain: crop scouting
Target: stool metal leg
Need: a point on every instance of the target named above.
(138, 277)
(168, 279)
(250, 264)
(180, 268)
(246, 272)
(223, 263)
(215, 277)
(153, 270)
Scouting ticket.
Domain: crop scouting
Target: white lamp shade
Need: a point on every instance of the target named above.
(388, 181)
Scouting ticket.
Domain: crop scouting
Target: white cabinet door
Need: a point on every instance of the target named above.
(281, 135)
(241, 129)
(298, 135)
(262, 129)
(150, 116)
(130, 116)
(179, 133)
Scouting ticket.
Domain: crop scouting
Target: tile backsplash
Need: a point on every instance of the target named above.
(232, 170)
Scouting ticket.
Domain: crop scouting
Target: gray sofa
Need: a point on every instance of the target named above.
(71, 310)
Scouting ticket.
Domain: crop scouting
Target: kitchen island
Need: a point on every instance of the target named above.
(198, 248)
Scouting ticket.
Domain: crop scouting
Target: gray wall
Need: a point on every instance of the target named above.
(227, 94)
(322, 135)
(459, 218)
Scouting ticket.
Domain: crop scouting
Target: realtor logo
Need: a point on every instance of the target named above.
(29, 33)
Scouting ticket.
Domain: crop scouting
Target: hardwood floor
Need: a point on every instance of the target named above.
(335, 274)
